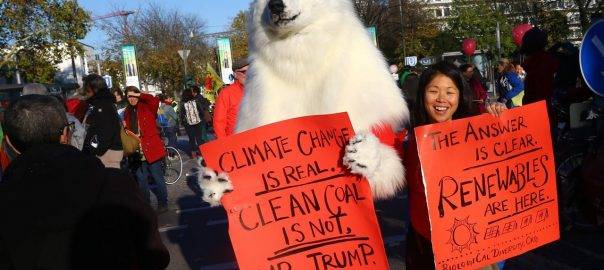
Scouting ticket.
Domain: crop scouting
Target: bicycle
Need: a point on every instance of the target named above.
(573, 144)
(172, 163)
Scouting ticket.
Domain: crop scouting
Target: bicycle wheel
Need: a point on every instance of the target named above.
(173, 165)
(569, 178)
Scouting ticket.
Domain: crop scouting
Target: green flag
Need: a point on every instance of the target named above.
(212, 83)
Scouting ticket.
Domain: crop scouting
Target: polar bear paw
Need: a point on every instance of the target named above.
(213, 185)
(377, 162)
(362, 155)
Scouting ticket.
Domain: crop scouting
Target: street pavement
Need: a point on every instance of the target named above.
(197, 235)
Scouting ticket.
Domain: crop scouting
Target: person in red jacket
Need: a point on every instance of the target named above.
(139, 118)
(227, 103)
(473, 79)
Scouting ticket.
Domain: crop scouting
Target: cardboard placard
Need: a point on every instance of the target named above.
(490, 185)
(294, 206)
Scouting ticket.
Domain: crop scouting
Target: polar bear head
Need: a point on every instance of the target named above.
(288, 17)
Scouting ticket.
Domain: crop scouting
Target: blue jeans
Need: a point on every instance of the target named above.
(142, 175)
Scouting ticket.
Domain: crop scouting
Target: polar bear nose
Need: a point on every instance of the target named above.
(276, 6)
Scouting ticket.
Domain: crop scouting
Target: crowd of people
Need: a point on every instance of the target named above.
(115, 141)
(51, 143)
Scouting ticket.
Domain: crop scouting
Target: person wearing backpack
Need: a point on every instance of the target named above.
(227, 103)
(192, 114)
(167, 119)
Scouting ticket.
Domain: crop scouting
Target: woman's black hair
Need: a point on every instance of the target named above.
(187, 95)
(465, 107)
(118, 92)
(95, 83)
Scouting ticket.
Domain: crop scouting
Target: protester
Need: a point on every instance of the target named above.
(440, 86)
(77, 132)
(120, 102)
(192, 113)
(473, 79)
(167, 119)
(139, 119)
(540, 67)
(227, 103)
(62, 209)
(509, 84)
(519, 70)
(76, 106)
(102, 123)
(205, 105)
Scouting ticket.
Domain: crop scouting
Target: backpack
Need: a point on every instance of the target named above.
(162, 119)
(192, 113)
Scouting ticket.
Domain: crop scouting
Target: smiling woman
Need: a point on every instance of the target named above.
(443, 95)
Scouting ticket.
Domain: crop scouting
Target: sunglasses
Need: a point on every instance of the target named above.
(242, 71)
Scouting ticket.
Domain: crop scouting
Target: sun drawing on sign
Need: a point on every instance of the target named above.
(463, 234)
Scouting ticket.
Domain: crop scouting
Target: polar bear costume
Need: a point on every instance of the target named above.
(310, 57)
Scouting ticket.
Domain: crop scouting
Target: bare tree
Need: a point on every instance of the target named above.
(158, 34)
(385, 15)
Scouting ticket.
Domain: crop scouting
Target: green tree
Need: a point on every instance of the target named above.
(478, 20)
(37, 34)
(239, 35)
(115, 69)
(555, 23)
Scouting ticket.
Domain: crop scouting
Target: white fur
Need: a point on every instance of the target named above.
(213, 185)
(379, 163)
(323, 62)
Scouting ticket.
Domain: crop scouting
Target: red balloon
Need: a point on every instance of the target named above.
(468, 46)
(519, 31)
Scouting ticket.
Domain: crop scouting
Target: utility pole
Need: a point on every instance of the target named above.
(400, 8)
(73, 66)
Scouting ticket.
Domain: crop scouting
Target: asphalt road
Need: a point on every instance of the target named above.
(197, 238)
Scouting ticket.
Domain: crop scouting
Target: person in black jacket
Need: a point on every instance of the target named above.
(194, 115)
(102, 123)
(62, 209)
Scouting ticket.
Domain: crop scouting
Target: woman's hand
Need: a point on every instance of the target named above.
(496, 108)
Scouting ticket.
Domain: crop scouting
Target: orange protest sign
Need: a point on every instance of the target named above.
(490, 185)
(294, 206)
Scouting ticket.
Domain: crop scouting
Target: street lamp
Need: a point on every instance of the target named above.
(184, 54)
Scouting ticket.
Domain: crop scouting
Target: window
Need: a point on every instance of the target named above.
(439, 12)
(448, 11)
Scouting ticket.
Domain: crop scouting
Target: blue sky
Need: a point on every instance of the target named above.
(217, 14)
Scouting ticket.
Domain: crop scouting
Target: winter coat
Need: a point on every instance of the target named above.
(62, 208)
(169, 113)
(146, 113)
(226, 109)
(102, 125)
(511, 85)
(418, 209)
(540, 68)
(77, 108)
(480, 94)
